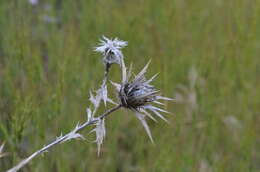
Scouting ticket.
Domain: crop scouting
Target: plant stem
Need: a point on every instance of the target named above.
(62, 139)
(110, 111)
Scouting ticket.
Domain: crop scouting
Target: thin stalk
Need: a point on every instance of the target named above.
(104, 82)
(62, 139)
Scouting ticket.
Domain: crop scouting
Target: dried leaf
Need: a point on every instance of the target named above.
(73, 134)
(95, 100)
(100, 133)
(103, 93)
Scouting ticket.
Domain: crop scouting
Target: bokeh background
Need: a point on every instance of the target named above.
(207, 53)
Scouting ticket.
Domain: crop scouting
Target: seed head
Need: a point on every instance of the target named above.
(138, 92)
(139, 96)
(111, 50)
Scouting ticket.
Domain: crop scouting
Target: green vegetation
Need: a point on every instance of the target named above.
(48, 66)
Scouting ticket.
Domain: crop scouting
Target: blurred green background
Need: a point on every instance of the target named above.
(207, 53)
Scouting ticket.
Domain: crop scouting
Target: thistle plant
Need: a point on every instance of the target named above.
(134, 93)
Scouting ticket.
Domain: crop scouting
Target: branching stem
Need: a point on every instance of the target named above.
(63, 138)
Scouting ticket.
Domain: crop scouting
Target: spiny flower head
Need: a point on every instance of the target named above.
(111, 50)
(139, 96)
(138, 92)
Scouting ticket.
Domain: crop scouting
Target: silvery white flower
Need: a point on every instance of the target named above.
(111, 50)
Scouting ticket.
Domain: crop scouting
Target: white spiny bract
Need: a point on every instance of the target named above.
(101, 94)
(138, 96)
(100, 131)
(111, 50)
(95, 100)
(89, 114)
(74, 134)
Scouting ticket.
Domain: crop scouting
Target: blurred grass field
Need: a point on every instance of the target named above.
(207, 53)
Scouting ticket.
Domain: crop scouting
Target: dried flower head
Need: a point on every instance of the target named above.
(139, 95)
(111, 50)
